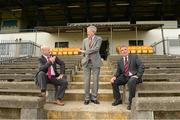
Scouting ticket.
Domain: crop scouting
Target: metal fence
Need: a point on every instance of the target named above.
(10, 49)
(172, 47)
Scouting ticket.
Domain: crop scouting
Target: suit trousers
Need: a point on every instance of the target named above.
(60, 85)
(87, 80)
(122, 80)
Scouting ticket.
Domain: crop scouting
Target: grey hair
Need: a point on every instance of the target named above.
(92, 28)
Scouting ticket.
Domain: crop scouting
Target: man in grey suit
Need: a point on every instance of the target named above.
(91, 62)
(129, 70)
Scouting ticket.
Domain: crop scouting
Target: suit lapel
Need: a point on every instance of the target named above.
(44, 59)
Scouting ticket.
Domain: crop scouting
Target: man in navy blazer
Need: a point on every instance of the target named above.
(135, 70)
(48, 74)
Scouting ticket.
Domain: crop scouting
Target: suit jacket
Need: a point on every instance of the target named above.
(136, 67)
(44, 64)
(93, 52)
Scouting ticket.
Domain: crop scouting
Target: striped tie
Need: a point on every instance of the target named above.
(90, 42)
(126, 67)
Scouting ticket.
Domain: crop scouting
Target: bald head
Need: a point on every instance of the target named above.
(45, 50)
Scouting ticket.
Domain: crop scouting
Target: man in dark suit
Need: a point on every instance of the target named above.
(48, 74)
(91, 62)
(129, 70)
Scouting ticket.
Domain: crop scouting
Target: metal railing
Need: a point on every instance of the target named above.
(10, 49)
(172, 46)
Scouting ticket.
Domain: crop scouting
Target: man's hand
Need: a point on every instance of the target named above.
(112, 79)
(52, 59)
(60, 77)
(82, 51)
(135, 76)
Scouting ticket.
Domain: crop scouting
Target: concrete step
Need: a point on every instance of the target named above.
(162, 65)
(80, 85)
(103, 78)
(146, 56)
(26, 71)
(158, 65)
(78, 95)
(155, 61)
(158, 93)
(162, 70)
(146, 77)
(31, 85)
(162, 61)
(70, 94)
(102, 72)
(147, 71)
(158, 86)
(102, 85)
(20, 92)
(77, 110)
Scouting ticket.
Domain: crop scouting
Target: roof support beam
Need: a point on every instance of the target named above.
(131, 11)
(108, 10)
(87, 6)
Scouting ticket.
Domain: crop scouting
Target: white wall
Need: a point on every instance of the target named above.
(75, 39)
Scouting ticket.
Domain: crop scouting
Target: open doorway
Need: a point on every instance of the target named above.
(104, 50)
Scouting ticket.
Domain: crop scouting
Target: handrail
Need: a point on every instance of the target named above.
(13, 49)
(157, 43)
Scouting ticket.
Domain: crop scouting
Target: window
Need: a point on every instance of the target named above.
(9, 23)
(136, 42)
(174, 43)
(61, 44)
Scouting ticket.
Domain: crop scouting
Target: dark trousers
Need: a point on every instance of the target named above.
(60, 85)
(122, 80)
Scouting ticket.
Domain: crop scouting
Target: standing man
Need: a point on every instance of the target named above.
(91, 62)
(129, 70)
(48, 74)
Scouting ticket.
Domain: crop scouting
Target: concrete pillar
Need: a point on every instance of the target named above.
(32, 113)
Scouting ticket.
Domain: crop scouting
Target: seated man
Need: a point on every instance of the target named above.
(129, 70)
(48, 74)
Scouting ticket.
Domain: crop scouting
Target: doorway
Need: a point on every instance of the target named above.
(104, 50)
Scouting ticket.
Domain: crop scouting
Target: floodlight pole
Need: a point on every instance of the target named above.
(163, 41)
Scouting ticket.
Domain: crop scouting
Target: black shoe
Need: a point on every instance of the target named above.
(129, 107)
(117, 102)
(95, 101)
(86, 102)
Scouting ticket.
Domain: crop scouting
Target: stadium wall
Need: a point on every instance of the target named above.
(75, 39)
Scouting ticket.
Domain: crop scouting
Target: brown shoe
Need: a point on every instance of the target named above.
(60, 102)
(43, 94)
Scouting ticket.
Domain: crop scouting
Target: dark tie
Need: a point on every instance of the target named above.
(126, 67)
(49, 70)
(90, 42)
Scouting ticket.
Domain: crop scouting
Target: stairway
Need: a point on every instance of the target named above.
(74, 101)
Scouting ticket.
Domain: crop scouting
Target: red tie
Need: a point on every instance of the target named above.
(49, 71)
(90, 42)
(126, 69)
